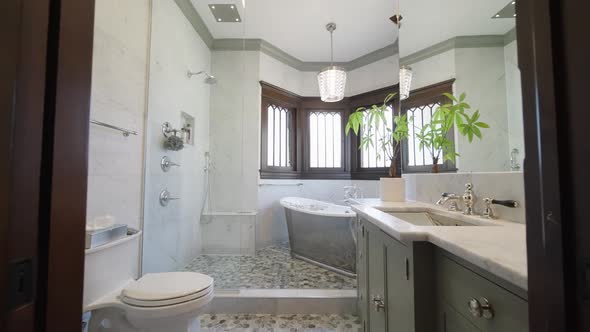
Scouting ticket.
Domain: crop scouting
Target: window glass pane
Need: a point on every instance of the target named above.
(278, 130)
(325, 140)
(418, 116)
(337, 124)
(374, 156)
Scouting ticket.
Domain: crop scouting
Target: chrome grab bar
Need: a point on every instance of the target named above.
(126, 132)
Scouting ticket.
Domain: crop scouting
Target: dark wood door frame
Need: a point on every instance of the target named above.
(553, 57)
(45, 98)
(66, 158)
(25, 30)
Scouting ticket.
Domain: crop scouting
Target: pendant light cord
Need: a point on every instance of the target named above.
(331, 48)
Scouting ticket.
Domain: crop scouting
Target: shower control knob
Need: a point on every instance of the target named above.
(165, 197)
(166, 164)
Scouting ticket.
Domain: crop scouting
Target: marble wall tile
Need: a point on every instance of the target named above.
(234, 124)
(115, 195)
(115, 162)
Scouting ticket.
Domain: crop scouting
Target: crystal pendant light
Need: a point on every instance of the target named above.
(405, 82)
(332, 79)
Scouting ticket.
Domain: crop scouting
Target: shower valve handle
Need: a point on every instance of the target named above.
(165, 197)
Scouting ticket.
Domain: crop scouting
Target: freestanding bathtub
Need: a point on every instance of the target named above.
(322, 233)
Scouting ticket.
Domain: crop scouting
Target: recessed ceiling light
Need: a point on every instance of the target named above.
(506, 12)
(225, 12)
(514, 15)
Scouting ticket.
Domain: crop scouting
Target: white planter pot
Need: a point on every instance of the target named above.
(392, 189)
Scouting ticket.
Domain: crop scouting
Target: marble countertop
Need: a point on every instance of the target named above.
(497, 246)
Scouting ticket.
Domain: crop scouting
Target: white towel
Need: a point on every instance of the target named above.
(101, 222)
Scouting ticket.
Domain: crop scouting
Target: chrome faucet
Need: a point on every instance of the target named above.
(351, 193)
(449, 197)
(468, 199)
(488, 213)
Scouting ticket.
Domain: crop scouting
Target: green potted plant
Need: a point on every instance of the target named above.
(434, 136)
(367, 122)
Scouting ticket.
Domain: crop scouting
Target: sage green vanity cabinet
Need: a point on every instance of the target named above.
(449, 320)
(386, 296)
(493, 307)
(417, 287)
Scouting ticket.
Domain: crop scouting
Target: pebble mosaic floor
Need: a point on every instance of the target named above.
(271, 268)
(279, 323)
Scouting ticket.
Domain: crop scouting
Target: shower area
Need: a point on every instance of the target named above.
(201, 184)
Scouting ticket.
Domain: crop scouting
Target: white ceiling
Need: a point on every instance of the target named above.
(298, 26)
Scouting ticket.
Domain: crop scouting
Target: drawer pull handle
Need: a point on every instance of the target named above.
(480, 308)
(378, 303)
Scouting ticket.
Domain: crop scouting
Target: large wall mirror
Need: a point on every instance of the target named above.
(463, 47)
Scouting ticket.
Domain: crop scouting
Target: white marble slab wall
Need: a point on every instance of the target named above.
(514, 101)
(115, 162)
(500, 185)
(234, 125)
(271, 226)
(480, 73)
(172, 235)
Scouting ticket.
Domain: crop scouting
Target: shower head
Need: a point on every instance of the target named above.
(209, 79)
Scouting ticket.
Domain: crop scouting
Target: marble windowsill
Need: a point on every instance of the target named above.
(496, 246)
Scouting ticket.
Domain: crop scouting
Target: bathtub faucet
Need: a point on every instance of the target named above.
(351, 193)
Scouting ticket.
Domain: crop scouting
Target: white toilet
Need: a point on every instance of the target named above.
(168, 302)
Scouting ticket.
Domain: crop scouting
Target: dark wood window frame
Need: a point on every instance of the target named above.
(368, 99)
(272, 95)
(427, 95)
(314, 104)
(300, 108)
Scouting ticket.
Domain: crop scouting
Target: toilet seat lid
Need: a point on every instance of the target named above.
(166, 286)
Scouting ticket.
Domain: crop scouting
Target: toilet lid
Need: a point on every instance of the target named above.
(169, 286)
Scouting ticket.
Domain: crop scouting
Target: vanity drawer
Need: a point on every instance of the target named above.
(456, 285)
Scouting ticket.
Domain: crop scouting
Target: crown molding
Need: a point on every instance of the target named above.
(455, 43)
(510, 36)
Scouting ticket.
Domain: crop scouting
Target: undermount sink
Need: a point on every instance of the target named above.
(430, 219)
